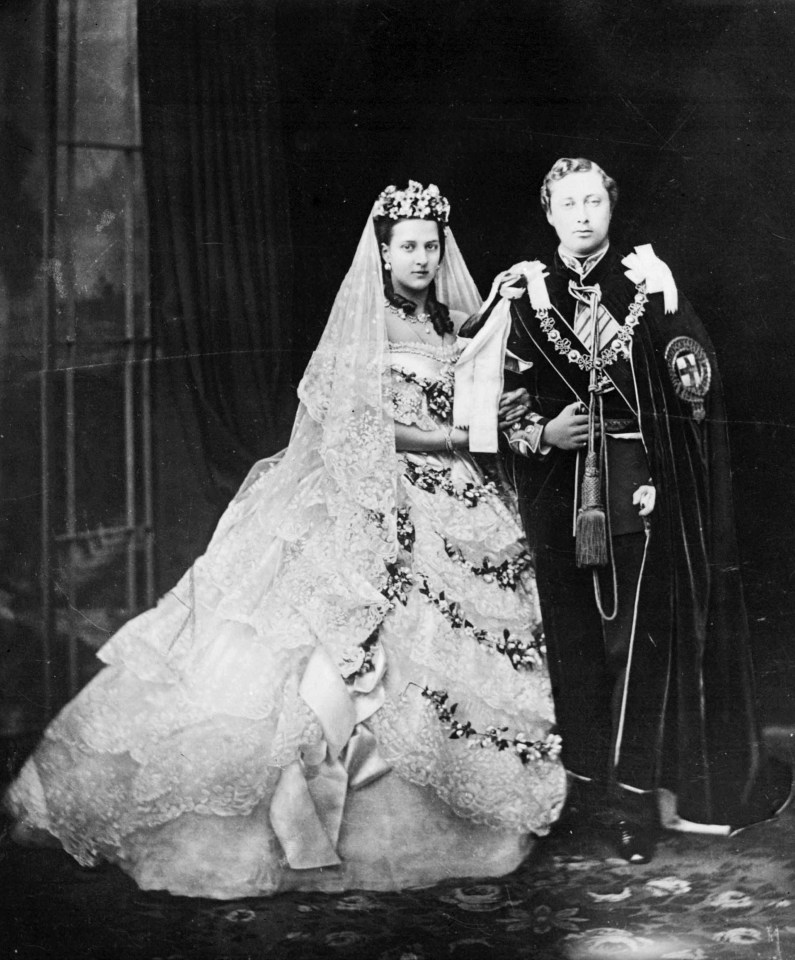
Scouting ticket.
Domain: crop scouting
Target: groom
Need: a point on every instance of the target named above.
(624, 486)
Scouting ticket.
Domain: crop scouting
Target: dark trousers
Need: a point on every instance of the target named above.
(596, 702)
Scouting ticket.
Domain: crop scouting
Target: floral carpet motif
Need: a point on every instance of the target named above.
(700, 899)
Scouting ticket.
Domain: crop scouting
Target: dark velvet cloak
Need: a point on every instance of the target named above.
(709, 739)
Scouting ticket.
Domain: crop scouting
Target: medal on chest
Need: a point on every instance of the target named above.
(690, 372)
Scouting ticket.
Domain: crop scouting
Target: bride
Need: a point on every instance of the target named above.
(348, 689)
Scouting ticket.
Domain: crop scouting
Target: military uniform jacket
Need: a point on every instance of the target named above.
(670, 382)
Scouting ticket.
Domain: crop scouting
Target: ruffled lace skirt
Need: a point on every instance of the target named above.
(223, 752)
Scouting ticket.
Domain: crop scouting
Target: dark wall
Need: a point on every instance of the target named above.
(687, 103)
(21, 166)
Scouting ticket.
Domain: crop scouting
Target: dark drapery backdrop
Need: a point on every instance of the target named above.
(688, 103)
(220, 248)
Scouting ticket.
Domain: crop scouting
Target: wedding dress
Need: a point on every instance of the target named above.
(348, 689)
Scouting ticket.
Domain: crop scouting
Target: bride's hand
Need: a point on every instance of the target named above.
(514, 404)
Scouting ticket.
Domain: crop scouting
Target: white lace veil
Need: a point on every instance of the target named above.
(332, 493)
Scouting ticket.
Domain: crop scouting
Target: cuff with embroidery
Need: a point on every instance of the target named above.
(525, 438)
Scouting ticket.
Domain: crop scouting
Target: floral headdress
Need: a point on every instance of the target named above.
(414, 203)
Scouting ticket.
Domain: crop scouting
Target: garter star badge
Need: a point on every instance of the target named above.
(690, 372)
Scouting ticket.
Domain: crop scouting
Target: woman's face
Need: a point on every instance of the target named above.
(413, 254)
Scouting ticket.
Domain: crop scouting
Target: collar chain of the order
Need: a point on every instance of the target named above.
(617, 346)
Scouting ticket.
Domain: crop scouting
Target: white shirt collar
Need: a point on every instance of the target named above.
(582, 267)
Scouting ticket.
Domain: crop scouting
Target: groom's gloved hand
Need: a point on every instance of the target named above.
(509, 283)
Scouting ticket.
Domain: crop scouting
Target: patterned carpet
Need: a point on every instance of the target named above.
(700, 899)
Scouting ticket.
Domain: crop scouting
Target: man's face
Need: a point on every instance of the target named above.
(579, 210)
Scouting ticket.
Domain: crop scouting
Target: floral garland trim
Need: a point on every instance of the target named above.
(399, 582)
(613, 351)
(522, 656)
(505, 574)
(438, 393)
(405, 530)
(528, 751)
(359, 660)
(430, 479)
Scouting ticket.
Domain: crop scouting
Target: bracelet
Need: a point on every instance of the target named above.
(448, 439)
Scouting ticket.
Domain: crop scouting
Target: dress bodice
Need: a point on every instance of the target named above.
(426, 359)
(422, 382)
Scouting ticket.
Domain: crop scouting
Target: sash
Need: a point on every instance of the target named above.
(480, 378)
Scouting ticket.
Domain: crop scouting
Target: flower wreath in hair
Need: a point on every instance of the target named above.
(414, 203)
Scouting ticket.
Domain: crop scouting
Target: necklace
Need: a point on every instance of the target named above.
(409, 317)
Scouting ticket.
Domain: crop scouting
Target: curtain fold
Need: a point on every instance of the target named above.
(220, 253)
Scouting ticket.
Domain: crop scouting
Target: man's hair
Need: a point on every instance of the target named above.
(566, 165)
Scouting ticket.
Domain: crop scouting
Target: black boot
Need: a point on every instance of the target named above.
(633, 824)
